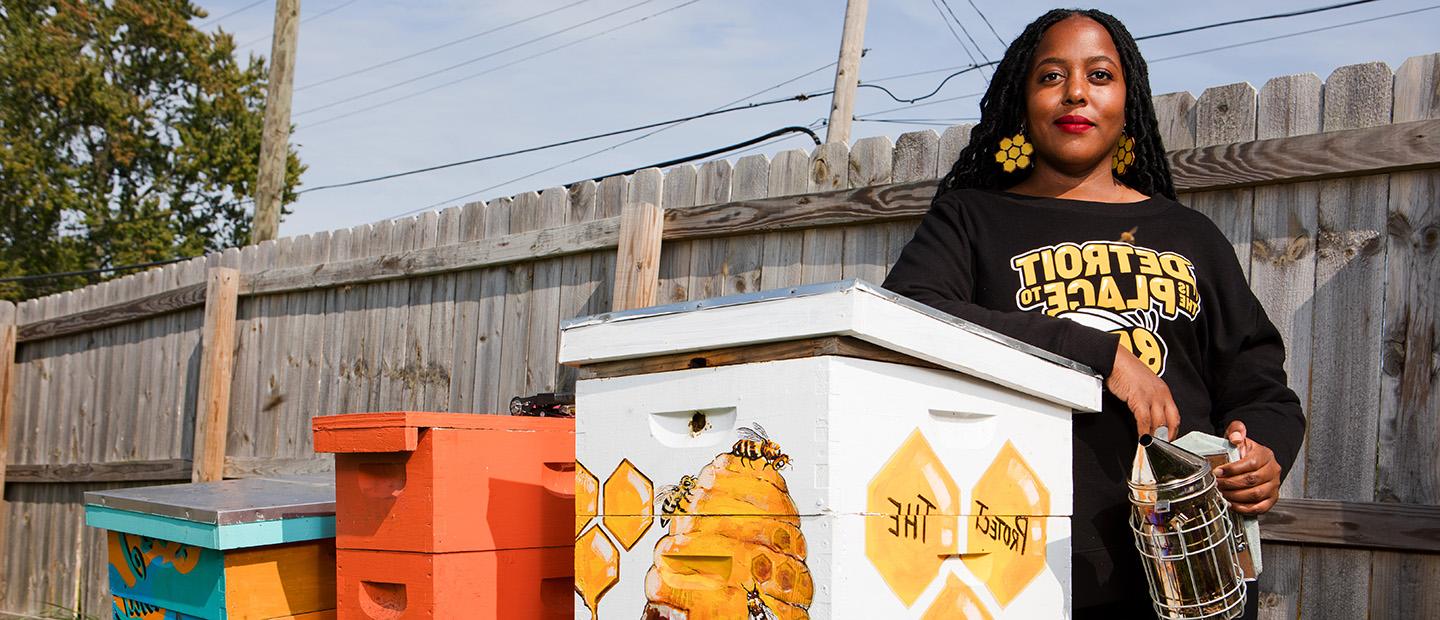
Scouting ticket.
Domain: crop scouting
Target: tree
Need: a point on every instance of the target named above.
(126, 136)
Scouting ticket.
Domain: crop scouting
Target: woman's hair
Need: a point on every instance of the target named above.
(1002, 111)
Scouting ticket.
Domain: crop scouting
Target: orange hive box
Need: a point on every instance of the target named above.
(452, 515)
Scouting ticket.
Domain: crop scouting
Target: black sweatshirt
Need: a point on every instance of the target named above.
(1154, 275)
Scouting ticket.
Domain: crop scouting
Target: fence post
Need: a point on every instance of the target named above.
(637, 259)
(7, 405)
(217, 352)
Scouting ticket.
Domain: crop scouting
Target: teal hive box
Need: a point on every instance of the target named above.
(252, 548)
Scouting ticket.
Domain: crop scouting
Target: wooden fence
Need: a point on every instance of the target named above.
(1329, 191)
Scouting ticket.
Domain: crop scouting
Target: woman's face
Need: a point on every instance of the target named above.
(1075, 73)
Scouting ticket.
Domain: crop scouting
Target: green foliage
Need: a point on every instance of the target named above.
(126, 136)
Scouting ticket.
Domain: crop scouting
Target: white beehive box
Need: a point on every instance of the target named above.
(925, 468)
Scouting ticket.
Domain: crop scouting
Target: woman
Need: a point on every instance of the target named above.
(1058, 226)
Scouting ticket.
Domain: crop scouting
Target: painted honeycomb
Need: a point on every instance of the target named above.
(1008, 519)
(912, 523)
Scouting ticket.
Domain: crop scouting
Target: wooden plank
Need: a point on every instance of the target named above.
(637, 272)
(443, 332)
(519, 306)
(354, 367)
(260, 467)
(333, 323)
(675, 257)
(308, 351)
(273, 359)
(1282, 262)
(115, 314)
(246, 402)
(394, 265)
(822, 249)
(1408, 460)
(544, 329)
(416, 368)
(707, 257)
(217, 346)
(21, 531)
(951, 143)
(610, 196)
(791, 349)
(917, 159)
(865, 252)
(1344, 381)
(387, 392)
(8, 377)
(1388, 148)
(176, 470)
(780, 259)
(576, 286)
(492, 316)
(1224, 115)
(1176, 115)
(467, 317)
(370, 362)
(1362, 525)
(744, 253)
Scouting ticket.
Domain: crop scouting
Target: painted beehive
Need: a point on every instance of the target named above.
(237, 549)
(823, 452)
(452, 515)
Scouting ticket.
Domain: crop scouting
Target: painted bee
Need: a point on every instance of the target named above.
(756, 606)
(755, 444)
(673, 497)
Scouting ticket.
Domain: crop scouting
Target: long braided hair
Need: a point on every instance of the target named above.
(1002, 110)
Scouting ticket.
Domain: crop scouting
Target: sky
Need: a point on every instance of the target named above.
(575, 68)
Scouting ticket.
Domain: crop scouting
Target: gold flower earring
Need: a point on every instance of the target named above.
(1124, 156)
(1014, 151)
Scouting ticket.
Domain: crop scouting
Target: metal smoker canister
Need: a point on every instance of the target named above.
(1184, 534)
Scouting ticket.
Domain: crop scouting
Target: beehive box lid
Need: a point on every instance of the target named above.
(847, 308)
(224, 514)
(398, 431)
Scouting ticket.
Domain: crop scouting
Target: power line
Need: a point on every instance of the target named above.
(801, 97)
(470, 61)
(1319, 9)
(783, 131)
(1296, 34)
(303, 21)
(941, 11)
(496, 68)
(921, 105)
(88, 272)
(231, 14)
(967, 34)
(439, 47)
(987, 23)
(617, 145)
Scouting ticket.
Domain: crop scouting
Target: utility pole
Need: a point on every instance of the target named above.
(275, 138)
(847, 72)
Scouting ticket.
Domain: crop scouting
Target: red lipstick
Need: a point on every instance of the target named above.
(1074, 123)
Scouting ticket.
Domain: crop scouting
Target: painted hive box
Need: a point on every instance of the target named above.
(825, 452)
(254, 548)
(452, 515)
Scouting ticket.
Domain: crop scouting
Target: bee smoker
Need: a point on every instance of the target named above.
(1184, 533)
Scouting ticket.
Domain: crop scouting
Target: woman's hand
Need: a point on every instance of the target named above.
(1251, 484)
(1146, 394)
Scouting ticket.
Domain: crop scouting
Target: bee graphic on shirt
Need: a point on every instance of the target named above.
(756, 606)
(755, 445)
(673, 498)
